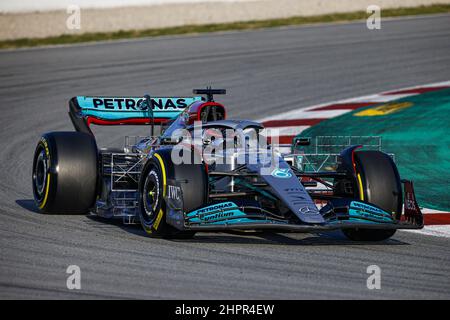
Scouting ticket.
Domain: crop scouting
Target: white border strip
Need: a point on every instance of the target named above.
(304, 113)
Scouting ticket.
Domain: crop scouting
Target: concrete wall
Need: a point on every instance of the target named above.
(16, 6)
(53, 23)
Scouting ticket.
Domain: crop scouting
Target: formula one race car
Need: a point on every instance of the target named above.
(202, 172)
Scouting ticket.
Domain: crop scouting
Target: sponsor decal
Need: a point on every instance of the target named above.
(215, 207)
(281, 173)
(412, 210)
(136, 104)
(216, 216)
(216, 212)
(410, 199)
(174, 192)
(118, 108)
(368, 211)
(410, 202)
(365, 207)
(384, 109)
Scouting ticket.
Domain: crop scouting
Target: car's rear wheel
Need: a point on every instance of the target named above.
(377, 182)
(153, 187)
(64, 177)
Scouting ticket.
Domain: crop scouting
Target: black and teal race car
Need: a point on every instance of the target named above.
(242, 187)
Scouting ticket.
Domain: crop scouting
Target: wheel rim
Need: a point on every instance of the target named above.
(40, 174)
(151, 195)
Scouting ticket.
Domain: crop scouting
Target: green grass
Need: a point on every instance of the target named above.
(196, 29)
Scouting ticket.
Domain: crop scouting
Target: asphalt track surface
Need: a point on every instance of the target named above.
(266, 72)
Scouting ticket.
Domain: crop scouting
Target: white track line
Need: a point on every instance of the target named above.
(284, 131)
(304, 113)
(380, 98)
(436, 231)
(307, 113)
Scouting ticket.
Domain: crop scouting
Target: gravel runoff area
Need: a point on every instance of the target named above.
(53, 23)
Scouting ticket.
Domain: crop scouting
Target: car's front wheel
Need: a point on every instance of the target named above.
(377, 182)
(158, 170)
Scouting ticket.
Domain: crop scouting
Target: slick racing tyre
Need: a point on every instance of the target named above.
(65, 172)
(377, 182)
(153, 187)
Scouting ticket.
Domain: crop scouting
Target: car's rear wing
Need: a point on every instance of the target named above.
(87, 110)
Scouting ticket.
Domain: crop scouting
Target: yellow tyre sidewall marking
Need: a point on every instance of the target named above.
(158, 219)
(42, 205)
(360, 185)
(163, 170)
(47, 187)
